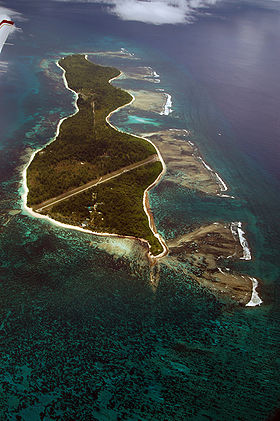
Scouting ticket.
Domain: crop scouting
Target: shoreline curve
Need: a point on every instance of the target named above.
(30, 211)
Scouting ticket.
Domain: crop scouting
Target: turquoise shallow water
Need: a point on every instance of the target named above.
(141, 120)
(84, 333)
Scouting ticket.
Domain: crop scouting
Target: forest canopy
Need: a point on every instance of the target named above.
(86, 148)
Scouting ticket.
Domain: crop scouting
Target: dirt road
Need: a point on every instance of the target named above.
(64, 196)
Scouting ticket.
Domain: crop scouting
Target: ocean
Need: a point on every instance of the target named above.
(84, 333)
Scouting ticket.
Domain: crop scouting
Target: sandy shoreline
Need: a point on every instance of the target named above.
(187, 168)
(29, 210)
(174, 147)
(145, 196)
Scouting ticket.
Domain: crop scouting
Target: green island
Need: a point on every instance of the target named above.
(88, 149)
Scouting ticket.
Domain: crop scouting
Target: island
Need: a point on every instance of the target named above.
(95, 177)
(92, 175)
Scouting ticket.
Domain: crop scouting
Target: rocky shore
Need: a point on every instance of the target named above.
(199, 254)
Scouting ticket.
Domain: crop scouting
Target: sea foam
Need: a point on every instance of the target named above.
(221, 182)
(236, 229)
(167, 109)
(255, 298)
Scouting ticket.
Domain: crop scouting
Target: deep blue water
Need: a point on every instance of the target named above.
(83, 333)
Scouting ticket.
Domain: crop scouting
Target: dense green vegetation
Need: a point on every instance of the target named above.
(115, 206)
(86, 147)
